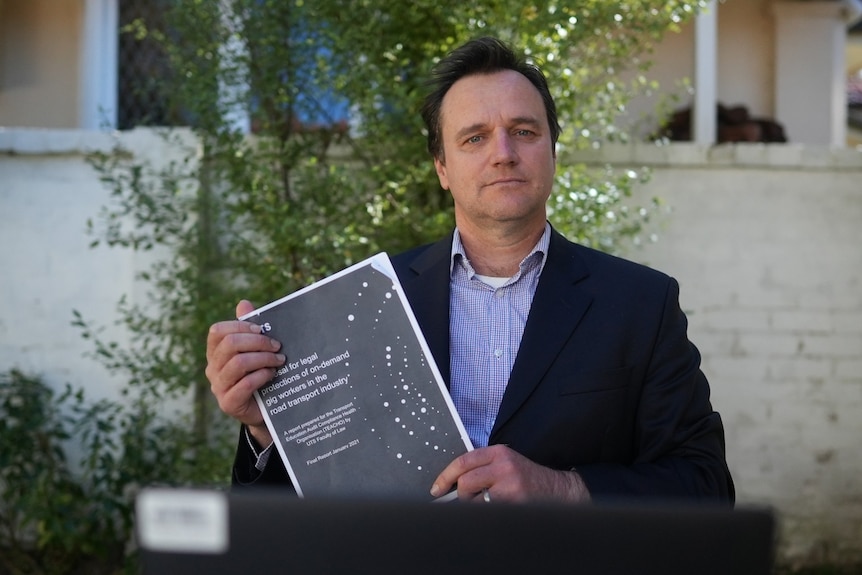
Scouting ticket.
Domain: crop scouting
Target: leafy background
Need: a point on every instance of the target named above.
(335, 169)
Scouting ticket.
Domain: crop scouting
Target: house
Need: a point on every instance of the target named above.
(786, 61)
(61, 64)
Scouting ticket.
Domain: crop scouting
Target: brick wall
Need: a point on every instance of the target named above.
(766, 242)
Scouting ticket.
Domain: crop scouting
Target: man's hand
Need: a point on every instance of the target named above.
(239, 361)
(506, 475)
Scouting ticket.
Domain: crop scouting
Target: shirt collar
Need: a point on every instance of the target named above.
(460, 256)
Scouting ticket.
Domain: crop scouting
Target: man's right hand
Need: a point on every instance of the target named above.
(239, 361)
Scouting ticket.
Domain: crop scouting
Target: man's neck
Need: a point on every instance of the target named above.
(492, 253)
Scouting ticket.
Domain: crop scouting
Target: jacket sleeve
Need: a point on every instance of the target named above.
(246, 474)
(679, 448)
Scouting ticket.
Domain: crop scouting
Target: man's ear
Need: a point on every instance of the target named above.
(440, 167)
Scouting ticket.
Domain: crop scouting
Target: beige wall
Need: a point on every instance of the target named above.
(746, 63)
(673, 68)
(854, 66)
(854, 53)
(39, 62)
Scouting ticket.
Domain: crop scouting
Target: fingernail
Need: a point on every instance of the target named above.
(274, 344)
(254, 328)
(434, 490)
(280, 357)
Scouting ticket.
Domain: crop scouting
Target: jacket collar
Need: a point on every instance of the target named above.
(557, 308)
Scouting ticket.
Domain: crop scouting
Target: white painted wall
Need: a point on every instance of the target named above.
(47, 194)
(765, 241)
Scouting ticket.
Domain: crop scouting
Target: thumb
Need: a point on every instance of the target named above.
(244, 307)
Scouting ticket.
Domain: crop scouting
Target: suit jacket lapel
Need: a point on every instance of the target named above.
(426, 285)
(556, 310)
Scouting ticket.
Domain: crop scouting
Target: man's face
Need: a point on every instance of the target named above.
(498, 160)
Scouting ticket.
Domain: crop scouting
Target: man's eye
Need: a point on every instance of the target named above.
(524, 133)
(474, 139)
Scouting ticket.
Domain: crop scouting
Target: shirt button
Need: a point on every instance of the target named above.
(498, 353)
(499, 294)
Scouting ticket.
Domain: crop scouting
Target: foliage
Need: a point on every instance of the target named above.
(311, 191)
(583, 47)
(58, 516)
(51, 521)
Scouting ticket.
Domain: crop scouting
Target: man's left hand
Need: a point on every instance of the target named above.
(499, 473)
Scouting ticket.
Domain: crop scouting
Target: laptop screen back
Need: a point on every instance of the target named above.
(260, 531)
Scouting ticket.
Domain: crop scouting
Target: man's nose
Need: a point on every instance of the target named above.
(504, 148)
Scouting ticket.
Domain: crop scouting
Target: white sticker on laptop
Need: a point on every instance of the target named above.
(182, 520)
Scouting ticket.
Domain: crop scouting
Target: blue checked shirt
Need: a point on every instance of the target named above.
(485, 329)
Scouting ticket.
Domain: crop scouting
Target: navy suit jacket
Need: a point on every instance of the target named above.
(605, 381)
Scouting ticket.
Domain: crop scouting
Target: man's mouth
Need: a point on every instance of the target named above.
(505, 181)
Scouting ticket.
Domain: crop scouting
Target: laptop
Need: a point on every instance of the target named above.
(181, 531)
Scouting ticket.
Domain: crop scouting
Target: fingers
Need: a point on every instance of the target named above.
(219, 331)
(226, 339)
(239, 361)
(244, 307)
(503, 474)
(471, 472)
(223, 347)
(237, 399)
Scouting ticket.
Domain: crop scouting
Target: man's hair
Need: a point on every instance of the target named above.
(480, 56)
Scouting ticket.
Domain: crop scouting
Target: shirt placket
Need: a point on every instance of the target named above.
(498, 352)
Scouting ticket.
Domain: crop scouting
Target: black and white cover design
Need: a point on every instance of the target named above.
(359, 408)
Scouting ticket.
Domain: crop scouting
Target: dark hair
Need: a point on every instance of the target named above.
(480, 56)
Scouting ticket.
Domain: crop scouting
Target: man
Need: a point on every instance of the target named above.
(570, 368)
